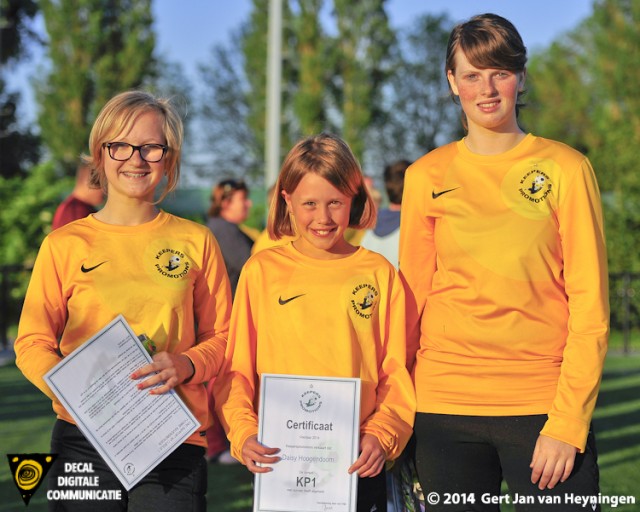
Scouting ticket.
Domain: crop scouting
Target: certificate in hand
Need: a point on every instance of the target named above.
(132, 430)
(315, 421)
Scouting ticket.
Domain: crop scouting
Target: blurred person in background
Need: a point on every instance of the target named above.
(230, 205)
(385, 237)
(83, 200)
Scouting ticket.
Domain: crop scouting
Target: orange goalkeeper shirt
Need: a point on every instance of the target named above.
(297, 315)
(505, 256)
(166, 277)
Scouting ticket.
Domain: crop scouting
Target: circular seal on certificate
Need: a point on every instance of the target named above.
(310, 401)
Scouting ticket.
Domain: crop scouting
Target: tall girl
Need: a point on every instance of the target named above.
(320, 306)
(164, 274)
(502, 245)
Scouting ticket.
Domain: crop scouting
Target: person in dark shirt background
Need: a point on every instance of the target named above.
(82, 201)
(230, 205)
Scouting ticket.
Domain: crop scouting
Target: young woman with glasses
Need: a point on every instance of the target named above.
(164, 274)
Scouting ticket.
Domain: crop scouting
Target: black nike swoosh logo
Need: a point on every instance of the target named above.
(436, 195)
(89, 269)
(282, 301)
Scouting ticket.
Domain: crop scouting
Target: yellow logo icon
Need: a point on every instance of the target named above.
(29, 470)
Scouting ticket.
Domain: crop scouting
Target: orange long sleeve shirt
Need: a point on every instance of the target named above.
(335, 318)
(166, 277)
(505, 256)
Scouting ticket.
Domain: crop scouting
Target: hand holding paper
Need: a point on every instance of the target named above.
(254, 452)
(132, 430)
(166, 368)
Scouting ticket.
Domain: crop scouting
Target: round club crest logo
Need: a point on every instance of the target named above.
(172, 263)
(310, 401)
(535, 186)
(364, 299)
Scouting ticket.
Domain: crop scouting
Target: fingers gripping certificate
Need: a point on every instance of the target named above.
(315, 421)
(132, 430)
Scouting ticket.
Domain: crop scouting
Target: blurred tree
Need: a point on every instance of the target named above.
(363, 43)
(96, 49)
(19, 147)
(225, 112)
(582, 92)
(419, 113)
(329, 82)
(233, 109)
(15, 29)
(313, 69)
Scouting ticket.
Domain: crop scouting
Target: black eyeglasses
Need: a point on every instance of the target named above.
(122, 151)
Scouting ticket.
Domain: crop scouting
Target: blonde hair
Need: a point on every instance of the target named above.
(329, 157)
(118, 116)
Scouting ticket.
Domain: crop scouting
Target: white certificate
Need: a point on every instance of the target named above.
(315, 421)
(132, 430)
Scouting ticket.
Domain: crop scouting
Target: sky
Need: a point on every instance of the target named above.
(188, 30)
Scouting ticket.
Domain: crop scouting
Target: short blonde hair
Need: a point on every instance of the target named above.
(329, 157)
(118, 116)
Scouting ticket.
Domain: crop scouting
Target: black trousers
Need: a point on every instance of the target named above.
(177, 484)
(462, 461)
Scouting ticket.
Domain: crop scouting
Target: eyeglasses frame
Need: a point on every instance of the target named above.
(133, 150)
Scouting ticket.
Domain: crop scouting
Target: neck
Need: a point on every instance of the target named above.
(229, 218)
(133, 213)
(485, 141)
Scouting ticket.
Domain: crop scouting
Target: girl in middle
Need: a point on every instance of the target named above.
(319, 306)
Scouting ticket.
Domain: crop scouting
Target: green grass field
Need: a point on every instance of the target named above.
(26, 419)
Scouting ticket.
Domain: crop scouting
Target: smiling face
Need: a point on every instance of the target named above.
(321, 216)
(488, 96)
(135, 178)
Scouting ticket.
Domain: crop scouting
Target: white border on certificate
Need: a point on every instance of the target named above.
(315, 421)
(132, 430)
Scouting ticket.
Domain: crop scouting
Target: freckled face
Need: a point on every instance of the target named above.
(135, 178)
(488, 96)
(321, 215)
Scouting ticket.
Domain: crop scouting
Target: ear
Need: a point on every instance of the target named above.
(287, 199)
(522, 79)
(452, 82)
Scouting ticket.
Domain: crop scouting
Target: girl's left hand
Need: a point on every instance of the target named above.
(172, 369)
(372, 457)
(552, 462)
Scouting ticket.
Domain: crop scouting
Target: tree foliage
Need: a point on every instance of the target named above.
(19, 146)
(343, 72)
(313, 73)
(27, 212)
(582, 92)
(96, 48)
(363, 42)
(225, 113)
(15, 30)
(418, 111)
